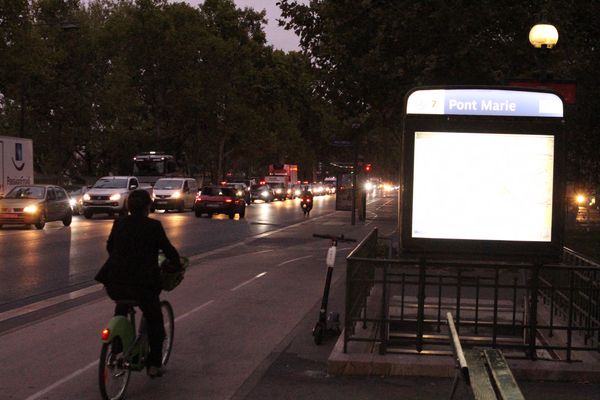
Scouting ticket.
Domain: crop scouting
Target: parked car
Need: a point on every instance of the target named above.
(174, 194)
(109, 195)
(35, 205)
(262, 192)
(242, 190)
(219, 200)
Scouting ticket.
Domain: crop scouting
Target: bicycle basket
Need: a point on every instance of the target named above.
(170, 279)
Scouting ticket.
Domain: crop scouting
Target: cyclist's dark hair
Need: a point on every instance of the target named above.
(138, 202)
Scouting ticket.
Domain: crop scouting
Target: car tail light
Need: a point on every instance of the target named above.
(198, 198)
(105, 334)
(228, 200)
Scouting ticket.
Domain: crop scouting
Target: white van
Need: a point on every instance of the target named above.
(174, 194)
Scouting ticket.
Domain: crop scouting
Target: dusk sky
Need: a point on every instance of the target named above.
(276, 36)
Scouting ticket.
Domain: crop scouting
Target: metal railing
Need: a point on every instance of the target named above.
(529, 309)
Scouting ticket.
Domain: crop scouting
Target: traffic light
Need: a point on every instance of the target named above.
(367, 168)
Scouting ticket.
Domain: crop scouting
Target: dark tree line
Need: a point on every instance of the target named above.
(93, 83)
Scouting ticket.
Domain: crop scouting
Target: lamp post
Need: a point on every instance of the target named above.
(543, 37)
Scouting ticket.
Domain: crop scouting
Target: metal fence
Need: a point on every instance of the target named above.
(530, 310)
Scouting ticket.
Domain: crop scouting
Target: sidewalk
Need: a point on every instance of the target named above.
(298, 369)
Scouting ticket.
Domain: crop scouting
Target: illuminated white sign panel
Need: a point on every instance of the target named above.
(488, 102)
(483, 186)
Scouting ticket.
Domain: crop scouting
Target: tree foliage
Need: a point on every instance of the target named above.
(369, 53)
(95, 82)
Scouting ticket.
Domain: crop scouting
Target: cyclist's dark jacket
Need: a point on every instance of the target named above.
(133, 247)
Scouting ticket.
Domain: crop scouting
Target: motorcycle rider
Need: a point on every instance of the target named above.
(306, 202)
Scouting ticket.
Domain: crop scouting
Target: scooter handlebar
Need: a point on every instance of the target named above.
(340, 238)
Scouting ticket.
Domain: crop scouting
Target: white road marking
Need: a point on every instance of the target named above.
(63, 380)
(262, 251)
(248, 281)
(292, 260)
(200, 307)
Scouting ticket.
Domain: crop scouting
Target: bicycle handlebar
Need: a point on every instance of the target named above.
(340, 238)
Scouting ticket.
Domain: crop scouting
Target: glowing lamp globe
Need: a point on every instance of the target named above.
(543, 36)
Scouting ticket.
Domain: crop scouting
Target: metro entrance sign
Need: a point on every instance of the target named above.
(486, 102)
(483, 172)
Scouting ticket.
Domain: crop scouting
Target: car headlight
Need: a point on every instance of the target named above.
(240, 193)
(297, 193)
(115, 197)
(369, 186)
(580, 199)
(264, 193)
(278, 191)
(87, 197)
(176, 195)
(72, 202)
(31, 209)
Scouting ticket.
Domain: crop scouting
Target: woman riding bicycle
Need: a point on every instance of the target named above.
(132, 272)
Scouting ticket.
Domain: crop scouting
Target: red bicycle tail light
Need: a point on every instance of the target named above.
(105, 334)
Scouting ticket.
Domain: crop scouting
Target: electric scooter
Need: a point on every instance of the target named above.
(328, 323)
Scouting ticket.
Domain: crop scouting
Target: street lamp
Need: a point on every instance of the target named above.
(543, 37)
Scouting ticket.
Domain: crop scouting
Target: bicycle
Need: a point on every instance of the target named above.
(130, 353)
(328, 323)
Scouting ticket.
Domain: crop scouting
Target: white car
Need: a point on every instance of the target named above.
(174, 194)
(109, 195)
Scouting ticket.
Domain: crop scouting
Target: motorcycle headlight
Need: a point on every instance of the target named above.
(264, 193)
(278, 191)
(115, 197)
(297, 193)
(87, 197)
(72, 202)
(240, 193)
(31, 209)
(176, 195)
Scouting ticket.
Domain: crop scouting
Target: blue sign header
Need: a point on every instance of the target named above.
(490, 102)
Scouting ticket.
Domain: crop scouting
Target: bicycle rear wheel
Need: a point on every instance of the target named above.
(112, 374)
(169, 321)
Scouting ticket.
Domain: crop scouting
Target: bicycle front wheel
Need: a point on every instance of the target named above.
(112, 373)
(169, 321)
